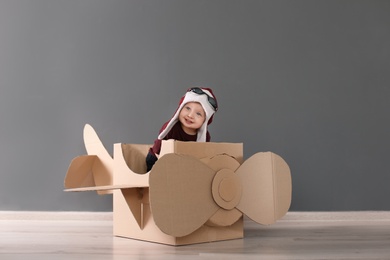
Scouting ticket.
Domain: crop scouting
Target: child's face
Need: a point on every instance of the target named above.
(192, 117)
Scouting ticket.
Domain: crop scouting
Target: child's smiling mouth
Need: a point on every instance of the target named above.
(188, 121)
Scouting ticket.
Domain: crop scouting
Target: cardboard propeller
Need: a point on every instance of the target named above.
(217, 191)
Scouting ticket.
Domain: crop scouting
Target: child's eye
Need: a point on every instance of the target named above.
(199, 114)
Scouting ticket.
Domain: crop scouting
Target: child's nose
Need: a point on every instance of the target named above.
(191, 114)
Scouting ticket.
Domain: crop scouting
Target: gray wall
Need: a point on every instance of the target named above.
(308, 80)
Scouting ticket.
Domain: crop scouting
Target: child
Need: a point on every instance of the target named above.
(189, 123)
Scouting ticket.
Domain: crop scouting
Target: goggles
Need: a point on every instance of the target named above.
(211, 100)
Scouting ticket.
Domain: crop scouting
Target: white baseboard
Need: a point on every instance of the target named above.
(107, 216)
(337, 216)
(54, 215)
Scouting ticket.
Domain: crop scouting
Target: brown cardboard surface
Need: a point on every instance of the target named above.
(136, 200)
(103, 169)
(260, 188)
(226, 189)
(220, 162)
(101, 188)
(127, 225)
(267, 181)
(85, 172)
(202, 150)
(130, 165)
(196, 192)
(95, 171)
(79, 173)
(180, 194)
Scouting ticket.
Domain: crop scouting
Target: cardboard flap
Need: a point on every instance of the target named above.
(180, 194)
(266, 193)
(137, 199)
(130, 165)
(87, 173)
(79, 173)
(202, 149)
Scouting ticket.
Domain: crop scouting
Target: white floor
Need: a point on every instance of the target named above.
(299, 235)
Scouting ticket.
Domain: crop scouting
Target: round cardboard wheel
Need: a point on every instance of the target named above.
(226, 189)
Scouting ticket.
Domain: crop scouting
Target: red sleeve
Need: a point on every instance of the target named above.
(156, 147)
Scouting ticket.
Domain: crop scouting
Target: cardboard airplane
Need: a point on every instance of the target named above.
(196, 192)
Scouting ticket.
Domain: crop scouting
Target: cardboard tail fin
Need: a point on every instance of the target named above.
(94, 146)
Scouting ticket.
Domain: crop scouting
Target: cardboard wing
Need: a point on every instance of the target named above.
(95, 171)
(186, 193)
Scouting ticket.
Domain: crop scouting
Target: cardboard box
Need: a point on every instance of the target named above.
(196, 192)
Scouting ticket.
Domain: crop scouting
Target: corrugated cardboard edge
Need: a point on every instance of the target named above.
(203, 150)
